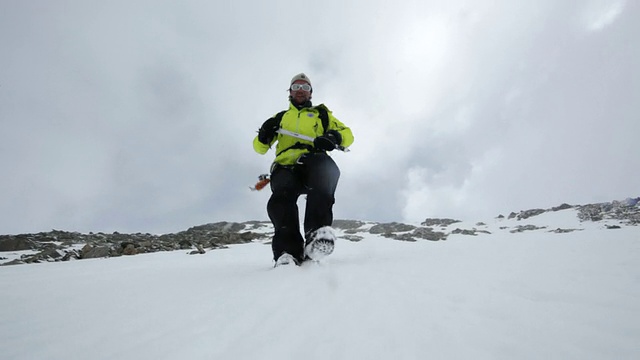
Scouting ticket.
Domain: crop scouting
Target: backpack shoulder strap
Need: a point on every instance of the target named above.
(278, 117)
(323, 113)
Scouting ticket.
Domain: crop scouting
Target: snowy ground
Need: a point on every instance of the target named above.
(531, 295)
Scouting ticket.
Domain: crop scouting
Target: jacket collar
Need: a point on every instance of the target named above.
(300, 107)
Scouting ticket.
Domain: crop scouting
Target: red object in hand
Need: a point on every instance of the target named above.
(263, 180)
(261, 184)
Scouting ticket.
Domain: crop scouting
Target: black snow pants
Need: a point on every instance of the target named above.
(316, 175)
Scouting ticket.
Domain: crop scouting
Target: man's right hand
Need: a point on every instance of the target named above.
(268, 131)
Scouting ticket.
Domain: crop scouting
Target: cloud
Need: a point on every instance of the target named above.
(140, 117)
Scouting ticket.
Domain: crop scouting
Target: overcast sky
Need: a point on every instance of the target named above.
(139, 116)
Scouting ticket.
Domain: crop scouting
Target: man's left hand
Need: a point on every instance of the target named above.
(328, 141)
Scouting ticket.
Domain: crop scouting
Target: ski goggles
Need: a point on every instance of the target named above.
(296, 87)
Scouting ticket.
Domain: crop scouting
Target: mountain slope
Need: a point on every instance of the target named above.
(525, 295)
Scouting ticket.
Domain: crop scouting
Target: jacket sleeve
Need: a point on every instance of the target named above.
(345, 131)
(259, 147)
(268, 126)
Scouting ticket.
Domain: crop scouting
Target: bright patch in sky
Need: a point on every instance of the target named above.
(600, 14)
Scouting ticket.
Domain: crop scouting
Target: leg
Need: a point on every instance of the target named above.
(286, 187)
(321, 177)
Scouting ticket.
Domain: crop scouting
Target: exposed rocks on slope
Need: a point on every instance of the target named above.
(59, 245)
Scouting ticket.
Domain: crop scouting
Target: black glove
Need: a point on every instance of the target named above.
(268, 131)
(328, 141)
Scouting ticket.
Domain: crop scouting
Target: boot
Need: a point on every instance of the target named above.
(319, 243)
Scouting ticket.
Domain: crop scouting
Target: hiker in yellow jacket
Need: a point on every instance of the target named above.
(304, 134)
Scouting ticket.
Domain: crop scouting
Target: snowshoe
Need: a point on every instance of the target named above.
(320, 243)
(286, 259)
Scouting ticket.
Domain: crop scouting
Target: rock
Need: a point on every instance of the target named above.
(218, 227)
(199, 250)
(16, 243)
(615, 210)
(90, 252)
(390, 228)
(49, 254)
(631, 201)
(254, 225)
(438, 222)
(417, 233)
(522, 228)
(401, 237)
(464, 232)
(249, 236)
(347, 224)
(428, 234)
(530, 213)
(129, 249)
(232, 238)
(561, 207)
(13, 262)
(472, 232)
(563, 231)
(70, 255)
(353, 238)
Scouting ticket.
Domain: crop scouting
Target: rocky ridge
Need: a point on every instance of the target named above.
(58, 245)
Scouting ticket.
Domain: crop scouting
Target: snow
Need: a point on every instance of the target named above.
(530, 295)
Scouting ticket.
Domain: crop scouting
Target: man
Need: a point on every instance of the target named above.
(302, 167)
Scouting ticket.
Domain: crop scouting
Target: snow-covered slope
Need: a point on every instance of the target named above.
(504, 295)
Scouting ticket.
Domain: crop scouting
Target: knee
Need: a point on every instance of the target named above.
(319, 196)
(329, 170)
(326, 164)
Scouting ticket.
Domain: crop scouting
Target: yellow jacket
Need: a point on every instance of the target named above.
(305, 121)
